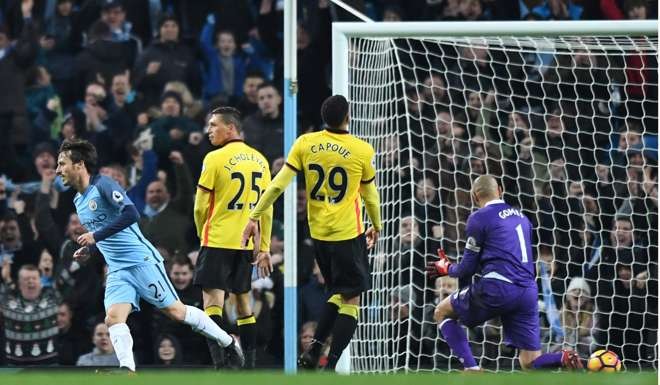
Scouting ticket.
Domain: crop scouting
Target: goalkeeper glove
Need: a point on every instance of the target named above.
(438, 268)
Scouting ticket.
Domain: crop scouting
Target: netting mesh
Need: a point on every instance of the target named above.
(569, 126)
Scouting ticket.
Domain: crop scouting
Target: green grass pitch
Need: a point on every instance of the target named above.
(199, 377)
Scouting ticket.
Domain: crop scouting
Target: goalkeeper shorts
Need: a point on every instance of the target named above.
(516, 306)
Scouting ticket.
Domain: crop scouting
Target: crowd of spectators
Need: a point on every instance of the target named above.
(572, 136)
(137, 77)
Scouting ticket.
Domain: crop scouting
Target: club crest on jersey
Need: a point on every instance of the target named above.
(92, 205)
(117, 196)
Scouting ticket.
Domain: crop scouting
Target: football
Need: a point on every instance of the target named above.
(604, 361)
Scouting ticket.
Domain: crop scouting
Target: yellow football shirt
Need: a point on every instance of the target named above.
(334, 163)
(235, 176)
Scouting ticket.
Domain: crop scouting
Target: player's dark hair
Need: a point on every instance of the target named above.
(79, 150)
(229, 115)
(334, 110)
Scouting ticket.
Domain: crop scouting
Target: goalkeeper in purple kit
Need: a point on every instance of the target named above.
(499, 248)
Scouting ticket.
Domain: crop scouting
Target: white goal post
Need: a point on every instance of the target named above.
(565, 114)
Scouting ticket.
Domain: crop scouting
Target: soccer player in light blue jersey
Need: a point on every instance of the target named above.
(499, 248)
(135, 268)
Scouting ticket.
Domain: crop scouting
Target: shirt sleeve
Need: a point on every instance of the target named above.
(472, 252)
(294, 160)
(113, 193)
(266, 220)
(369, 167)
(274, 190)
(200, 209)
(128, 216)
(207, 177)
(369, 194)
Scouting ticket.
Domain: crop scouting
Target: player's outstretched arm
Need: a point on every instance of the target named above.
(266, 221)
(274, 190)
(466, 268)
(371, 199)
(471, 254)
(265, 226)
(262, 258)
(127, 217)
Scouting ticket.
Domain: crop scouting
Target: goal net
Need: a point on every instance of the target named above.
(568, 124)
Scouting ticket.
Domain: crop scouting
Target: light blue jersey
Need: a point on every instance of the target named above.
(100, 204)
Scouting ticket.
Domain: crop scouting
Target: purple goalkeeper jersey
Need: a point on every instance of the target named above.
(498, 246)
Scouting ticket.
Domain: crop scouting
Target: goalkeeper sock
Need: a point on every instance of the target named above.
(122, 342)
(247, 329)
(342, 332)
(458, 342)
(547, 361)
(326, 322)
(201, 323)
(217, 353)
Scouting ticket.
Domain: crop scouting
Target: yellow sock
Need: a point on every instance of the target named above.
(350, 310)
(336, 299)
(213, 310)
(246, 321)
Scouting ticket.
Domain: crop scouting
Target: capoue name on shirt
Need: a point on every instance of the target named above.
(329, 146)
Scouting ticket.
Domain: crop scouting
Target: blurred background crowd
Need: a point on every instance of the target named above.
(137, 79)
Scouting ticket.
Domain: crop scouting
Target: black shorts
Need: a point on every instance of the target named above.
(225, 269)
(344, 265)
